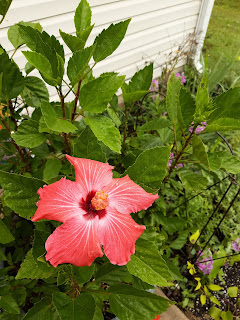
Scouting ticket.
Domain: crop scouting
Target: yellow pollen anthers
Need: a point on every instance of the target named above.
(100, 200)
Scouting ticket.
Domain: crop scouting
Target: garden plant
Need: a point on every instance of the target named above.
(95, 206)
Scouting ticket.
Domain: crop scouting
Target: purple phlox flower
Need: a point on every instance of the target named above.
(180, 165)
(181, 77)
(205, 262)
(154, 85)
(236, 245)
(199, 128)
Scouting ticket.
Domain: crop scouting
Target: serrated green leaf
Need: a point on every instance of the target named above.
(114, 116)
(130, 303)
(149, 168)
(156, 124)
(78, 63)
(14, 35)
(214, 313)
(83, 274)
(87, 146)
(199, 150)
(148, 265)
(38, 250)
(192, 181)
(20, 193)
(227, 105)
(42, 310)
(108, 40)
(52, 168)
(178, 243)
(73, 42)
(96, 94)
(82, 17)
(187, 104)
(41, 63)
(223, 124)
(53, 122)
(111, 274)
(12, 81)
(5, 234)
(214, 287)
(28, 135)
(81, 308)
(215, 162)
(232, 292)
(34, 92)
(4, 6)
(29, 269)
(105, 131)
(172, 101)
(8, 304)
(229, 162)
(142, 79)
(134, 96)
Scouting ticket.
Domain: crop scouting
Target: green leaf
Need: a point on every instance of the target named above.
(41, 63)
(82, 17)
(83, 274)
(73, 43)
(217, 263)
(34, 92)
(8, 304)
(5, 234)
(78, 63)
(4, 6)
(96, 94)
(214, 313)
(130, 303)
(87, 146)
(227, 105)
(199, 150)
(14, 34)
(232, 292)
(214, 287)
(52, 168)
(215, 300)
(108, 40)
(203, 299)
(105, 131)
(142, 79)
(156, 124)
(229, 163)
(133, 96)
(53, 122)
(148, 265)
(12, 82)
(150, 166)
(81, 308)
(223, 124)
(187, 104)
(114, 116)
(226, 315)
(20, 193)
(111, 274)
(29, 269)
(28, 135)
(215, 162)
(42, 310)
(172, 101)
(178, 243)
(192, 181)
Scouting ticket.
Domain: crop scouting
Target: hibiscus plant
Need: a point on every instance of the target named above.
(79, 172)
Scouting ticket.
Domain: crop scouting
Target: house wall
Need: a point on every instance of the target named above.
(157, 28)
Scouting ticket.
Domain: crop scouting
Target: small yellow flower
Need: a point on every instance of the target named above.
(199, 283)
(239, 58)
(191, 268)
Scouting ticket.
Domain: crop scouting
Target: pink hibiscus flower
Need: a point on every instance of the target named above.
(95, 210)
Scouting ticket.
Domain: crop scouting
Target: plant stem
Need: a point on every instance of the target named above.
(76, 100)
(65, 136)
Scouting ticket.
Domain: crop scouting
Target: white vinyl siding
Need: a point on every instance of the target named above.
(157, 28)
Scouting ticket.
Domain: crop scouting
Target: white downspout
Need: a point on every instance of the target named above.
(201, 29)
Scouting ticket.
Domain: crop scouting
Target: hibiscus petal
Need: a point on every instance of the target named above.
(59, 201)
(90, 174)
(118, 234)
(75, 241)
(126, 196)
